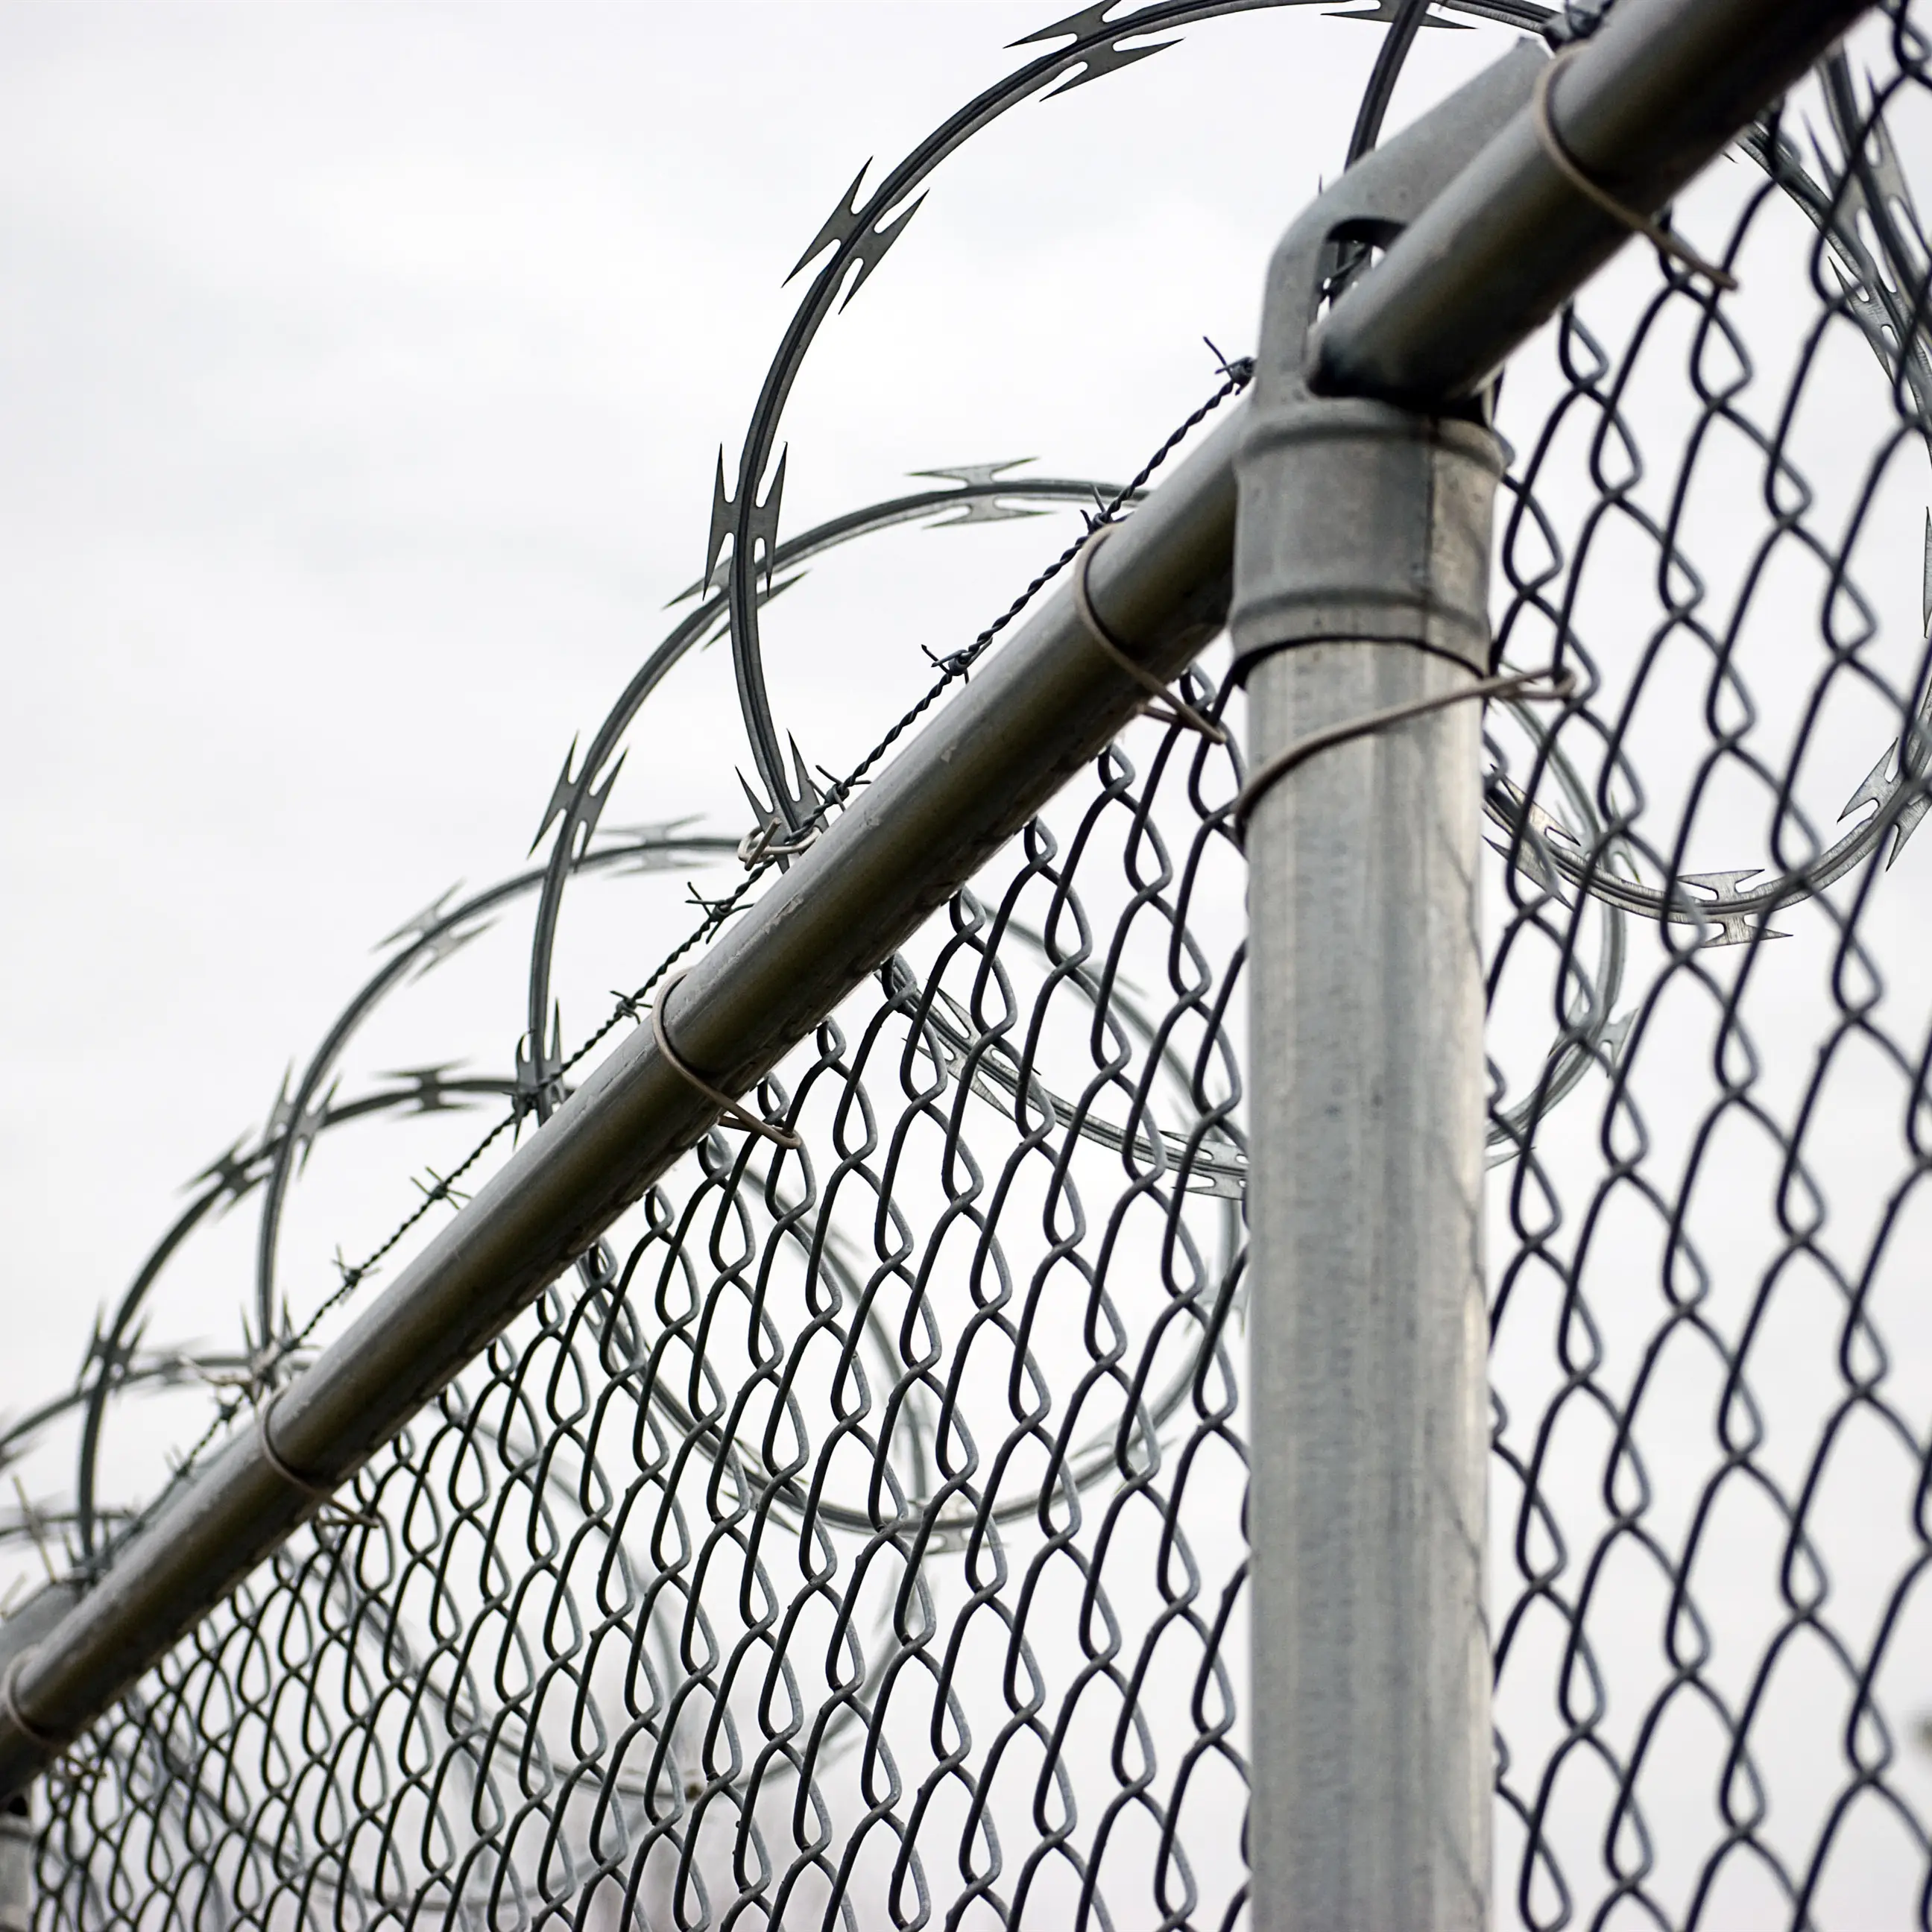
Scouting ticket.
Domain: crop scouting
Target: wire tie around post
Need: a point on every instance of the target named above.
(1573, 172)
(1516, 684)
(1165, 705)
(731, 1109)
(10, 1704)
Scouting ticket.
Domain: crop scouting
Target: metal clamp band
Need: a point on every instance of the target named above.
(1568, 166)
(272, 1456)
(10, 1704)
(265, 1441)
(1516, 684)
(1166, 706)
(731, 1109)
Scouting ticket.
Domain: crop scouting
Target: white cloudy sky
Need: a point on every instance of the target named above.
(362, 372)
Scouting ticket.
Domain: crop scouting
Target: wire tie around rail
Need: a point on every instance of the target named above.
(1574, 172)
(265, 1441)
(1559, 684)
(732, 1110)
(10, 1704)
(1169, 707)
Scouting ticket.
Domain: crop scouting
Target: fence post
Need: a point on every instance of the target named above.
(1371, 1683)
(1361, 572)
(1360, 586)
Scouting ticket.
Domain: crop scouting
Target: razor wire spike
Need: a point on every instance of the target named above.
(975, 476)
(281, 1114)
(420, 926)
(427, 1082)
(1074, 26)
(1734, 925)
(303, 1133)
(1111, 57)
(763, 526)
(1615, 1035)
(987, 509)
(232, 1173)
(660, 858)
(771, 837)
(873, 249)
(1877, 787)
(723, 509)
(983, 510)
(560, 795)
(1106, 56)
(657, 831)
(1530, 854)
(839, 226)
(537, 1066)
(808, 795)
(1882, 783)
(441, 946)
(765, 817)
(1881, 162)
(720, 575)
(594, 804)
(1892, 184)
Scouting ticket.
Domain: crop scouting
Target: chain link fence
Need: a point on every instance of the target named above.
(855, 1537)
(834, 1539)
(1711, 1365)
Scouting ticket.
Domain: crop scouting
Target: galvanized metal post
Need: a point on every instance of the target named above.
(1371, 1678)
(1360, 586)
(1361, 573)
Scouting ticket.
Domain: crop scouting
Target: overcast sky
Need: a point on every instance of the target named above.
(363, 371)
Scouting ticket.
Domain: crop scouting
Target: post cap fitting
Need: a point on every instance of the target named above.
(1361, 520)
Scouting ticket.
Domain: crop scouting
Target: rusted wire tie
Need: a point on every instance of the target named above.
(1560, 682)
(1167, 706)
(732, 1110)
(1572, 171)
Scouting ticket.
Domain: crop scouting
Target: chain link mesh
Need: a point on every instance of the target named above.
(1712, 1359)
(830, 1544)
